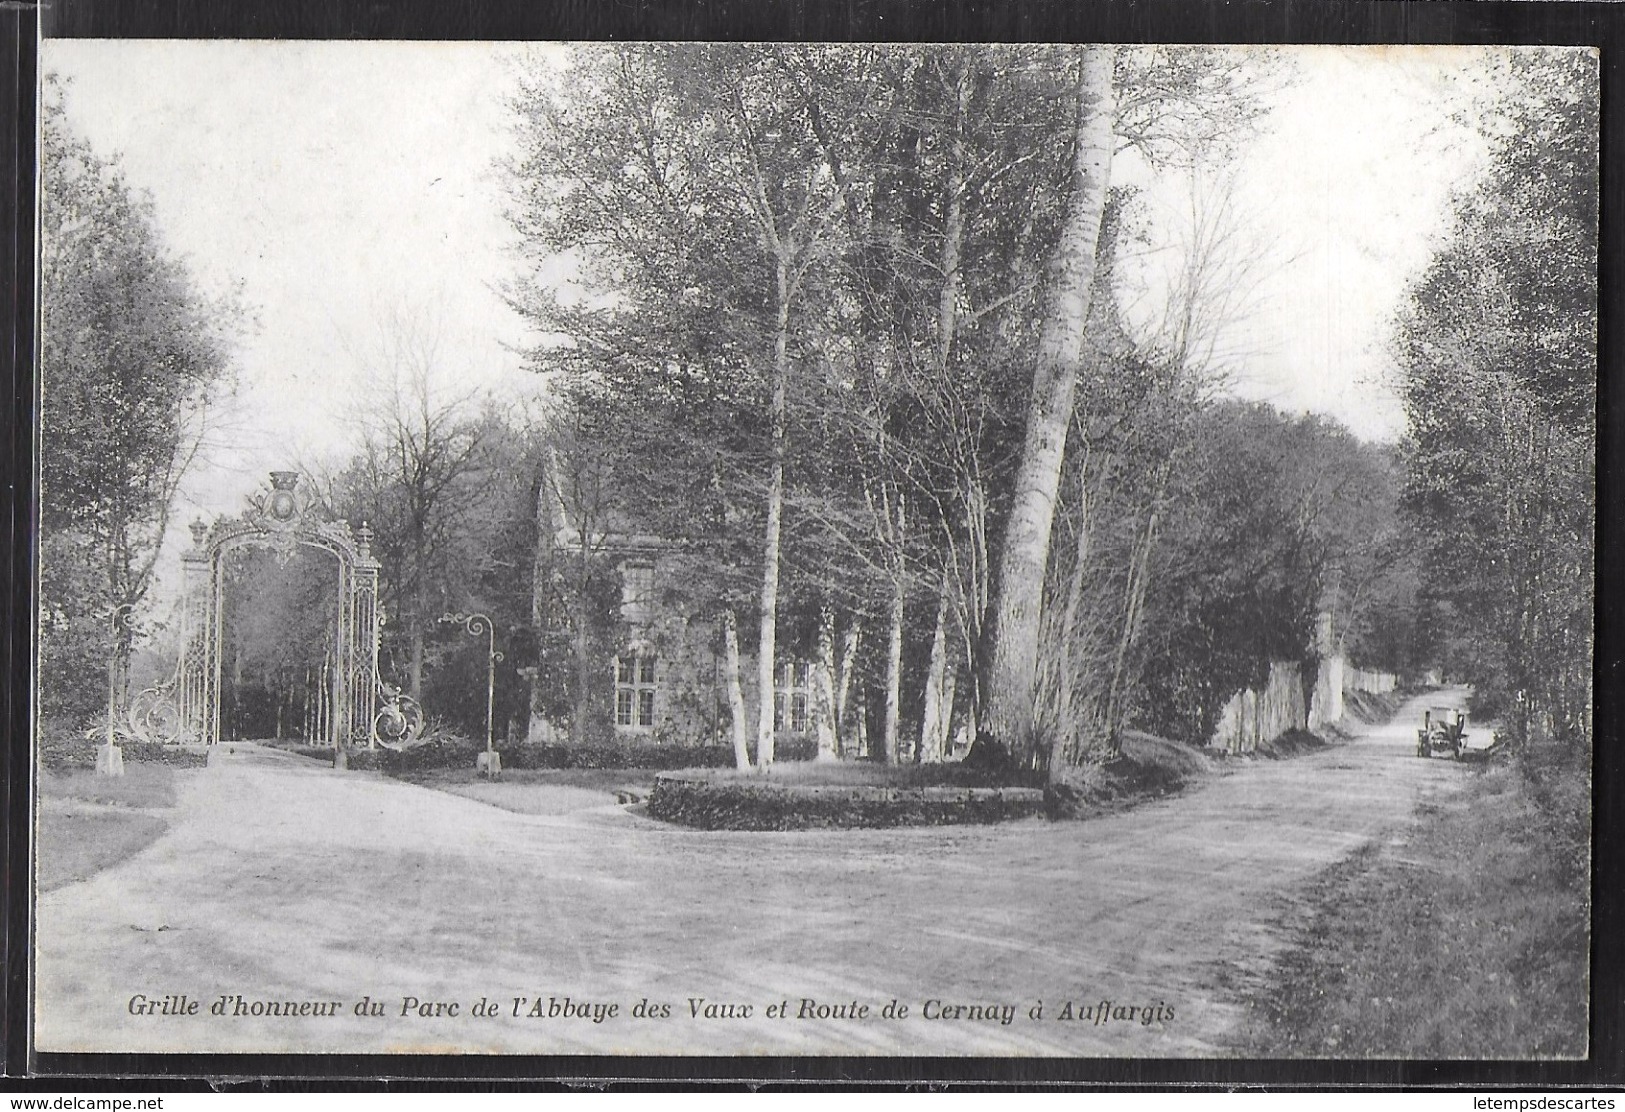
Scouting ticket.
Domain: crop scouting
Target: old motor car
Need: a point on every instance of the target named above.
(1444, 730)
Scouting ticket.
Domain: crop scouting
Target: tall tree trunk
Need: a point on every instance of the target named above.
(894, 673)
(843, 690)
(540, 730)
(1012, 656)
(976, 591)
(953, 224)
(414, 638)
(828, 712)
(123, 652)
(124, 594)
(736, 695)
(414, 621)
(765, 662)
(939, 699)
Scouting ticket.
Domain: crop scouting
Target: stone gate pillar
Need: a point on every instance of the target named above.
(195, 678)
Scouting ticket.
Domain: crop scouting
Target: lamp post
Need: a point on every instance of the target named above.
(489, 762)
(110, 761)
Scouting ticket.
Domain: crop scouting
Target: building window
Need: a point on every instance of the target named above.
(635, 689)
(792, 696)
(637, 594)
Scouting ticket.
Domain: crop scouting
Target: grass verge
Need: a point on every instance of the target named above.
(1467, 937)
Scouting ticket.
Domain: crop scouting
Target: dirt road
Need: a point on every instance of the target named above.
(286, 883)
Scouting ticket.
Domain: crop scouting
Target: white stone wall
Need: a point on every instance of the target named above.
(1252, 717)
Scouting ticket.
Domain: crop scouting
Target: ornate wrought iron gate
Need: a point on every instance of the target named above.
(361, 709)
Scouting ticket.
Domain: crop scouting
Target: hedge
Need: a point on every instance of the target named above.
(60, 752)
(724, 804)
(366, 760)
(617, 756)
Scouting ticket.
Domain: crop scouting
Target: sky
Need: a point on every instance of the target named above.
(335, 184)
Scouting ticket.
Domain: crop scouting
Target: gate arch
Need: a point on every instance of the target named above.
(364, 710)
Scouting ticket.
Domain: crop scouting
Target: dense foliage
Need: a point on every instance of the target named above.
(811, 286)
(758, 804)
(1274, 525)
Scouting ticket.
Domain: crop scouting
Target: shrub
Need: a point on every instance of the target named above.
(786, 747)
(1557, 781)
(366, 760)
(60, 748)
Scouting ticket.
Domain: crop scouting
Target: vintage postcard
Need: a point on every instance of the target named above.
(1062, 551)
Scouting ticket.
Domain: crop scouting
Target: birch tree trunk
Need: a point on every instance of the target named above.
(582, 704)
(1071, 667)
(1139, 570)
(894, 674)
(934, 722)
(938, 691)
(1012, 657)
(736, 695)
(540, 730)
(843, 690)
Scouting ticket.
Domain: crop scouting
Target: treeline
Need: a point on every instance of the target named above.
(133, 356)
(811, 294)
(839, 330)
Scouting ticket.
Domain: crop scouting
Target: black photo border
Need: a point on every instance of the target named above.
(1334, 22)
